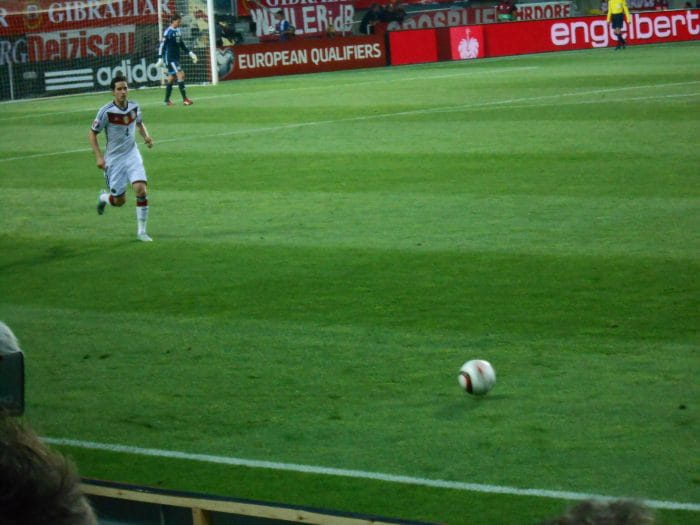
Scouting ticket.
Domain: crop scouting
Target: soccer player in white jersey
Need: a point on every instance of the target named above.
(122, 162)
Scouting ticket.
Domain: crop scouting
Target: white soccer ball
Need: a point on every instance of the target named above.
(477, 377)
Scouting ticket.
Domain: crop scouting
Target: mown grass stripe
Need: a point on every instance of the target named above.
(362, 118)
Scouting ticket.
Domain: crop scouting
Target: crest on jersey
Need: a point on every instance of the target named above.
(120, 119)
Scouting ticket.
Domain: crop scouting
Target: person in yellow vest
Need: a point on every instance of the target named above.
(617, 13)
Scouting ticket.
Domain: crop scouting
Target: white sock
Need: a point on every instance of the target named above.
(141, 218)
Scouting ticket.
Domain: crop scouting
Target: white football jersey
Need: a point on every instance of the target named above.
(120, 127)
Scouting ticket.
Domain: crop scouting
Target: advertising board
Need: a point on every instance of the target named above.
(590, 32)
(50, 47)
(434, 18)
(300, 56)
(18, 17)
(539, 36)
(308, 18)
(413, 47)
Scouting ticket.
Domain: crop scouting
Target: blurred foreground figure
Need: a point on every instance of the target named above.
(37, 485)
(619, 512)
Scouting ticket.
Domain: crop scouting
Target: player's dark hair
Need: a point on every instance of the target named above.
(176, 16)
(115, 79)
(37, 485)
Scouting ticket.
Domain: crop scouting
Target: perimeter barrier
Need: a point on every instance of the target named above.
(538, 36)
(465, 42)
(123, 504)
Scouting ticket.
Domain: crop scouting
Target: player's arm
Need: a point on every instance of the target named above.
(161, 50)
(628, 17)
(144, 133)
(186, 49)
(99, 158)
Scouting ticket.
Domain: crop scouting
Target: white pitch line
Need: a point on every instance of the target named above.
(361, 474)
(49, 154)
(361, 118)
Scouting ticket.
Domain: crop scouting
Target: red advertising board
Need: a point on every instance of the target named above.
(308, 18)
(545, 10)
(300, 56)
(366, 4)
(590, 32)
(446, 18)
(413, 47)
(84, 43)
(479, 15)
(539, 36)
(41, 16)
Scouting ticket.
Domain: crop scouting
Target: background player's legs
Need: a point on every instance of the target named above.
(169, 89)
(141, 209)
(617, 22)
(181, 86)
(620, 39)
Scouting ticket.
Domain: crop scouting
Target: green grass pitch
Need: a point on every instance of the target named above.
(329, 249)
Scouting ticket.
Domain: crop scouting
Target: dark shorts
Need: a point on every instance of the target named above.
(617, 20)
(174, 66)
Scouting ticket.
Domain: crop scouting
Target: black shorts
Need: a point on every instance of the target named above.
(617, 20)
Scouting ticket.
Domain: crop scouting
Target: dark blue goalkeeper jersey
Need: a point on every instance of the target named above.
(170, 45)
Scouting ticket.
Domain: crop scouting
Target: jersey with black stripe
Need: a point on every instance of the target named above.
(119, 125)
